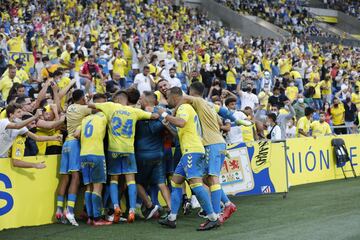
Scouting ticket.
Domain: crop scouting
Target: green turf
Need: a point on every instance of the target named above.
(327, 210)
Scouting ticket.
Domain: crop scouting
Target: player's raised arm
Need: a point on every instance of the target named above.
(177, 121)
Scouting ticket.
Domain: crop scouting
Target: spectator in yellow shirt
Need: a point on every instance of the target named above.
(231, 77)
(8, 81)
(65, 58)
(355, 97)
(325, 86)
(292, 91)
(303, 125)
(296, 76)
(317, 94)
(337, 112)
(320, 128)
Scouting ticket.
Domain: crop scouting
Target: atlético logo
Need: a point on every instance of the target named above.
(265, 189)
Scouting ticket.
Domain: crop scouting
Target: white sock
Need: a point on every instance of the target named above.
(172, 217)
(212, 217)
(227, 204)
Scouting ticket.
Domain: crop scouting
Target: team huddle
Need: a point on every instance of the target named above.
(127, 140)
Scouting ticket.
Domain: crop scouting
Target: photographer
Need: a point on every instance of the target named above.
(90, 70)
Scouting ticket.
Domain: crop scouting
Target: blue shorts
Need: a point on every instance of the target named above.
(93, 169)
(121, 163)
(70, 157)
(214, 158)
(191, 165)
(150, 168)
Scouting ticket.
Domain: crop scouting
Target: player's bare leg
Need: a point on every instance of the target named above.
(73, 189)
(150, 208)
(61, 191)
(165, 193)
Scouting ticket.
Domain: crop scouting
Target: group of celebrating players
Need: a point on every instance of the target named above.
(134, 148)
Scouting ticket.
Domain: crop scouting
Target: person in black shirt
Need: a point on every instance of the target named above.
(277, 99)
(350, 113)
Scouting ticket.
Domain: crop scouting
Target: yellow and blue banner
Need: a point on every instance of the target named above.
(254, 168)
(27, 57)
(312, 160)
(27, 196)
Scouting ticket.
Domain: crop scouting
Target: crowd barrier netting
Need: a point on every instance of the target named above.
(27, 196)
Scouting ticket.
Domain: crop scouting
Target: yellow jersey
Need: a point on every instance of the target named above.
(325, 84)
(285, 65)
(22, 75)
(209, 121)
(45, 72)
(74, 115)
(120, 66)
(18, 148)
(264, 98)
(63, 83)
(320, 129)
(190, 134)
(337, 114)
(314, 75)
(292, 92)
(16, 44)
(317, 87)
(231, 76)
(295, 74)
(6, 84)
(65, 56)
(303, 124)
(93, 129)
(122, 122)
(355, 98)
(248, 133)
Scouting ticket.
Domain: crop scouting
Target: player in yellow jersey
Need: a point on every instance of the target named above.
(70, 158)
(121, 159)
(320, 128)
(191, 165)
(93, 166)
(215, 148)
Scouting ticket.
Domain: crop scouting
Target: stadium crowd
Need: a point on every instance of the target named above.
(290, 15)
(118, 64)
(350, 7)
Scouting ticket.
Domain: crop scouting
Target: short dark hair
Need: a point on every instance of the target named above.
(11, 108)
(198, 87)
(147, 67)
(26, 116)
(99, 96)
(58, 72)
(77, 95)
(119, 93)
(230, 100)
(21, 100)
(308, 111)
(150, 94)
(248, 108)
(175, 91)
(133, 95)
(272, 116)
(161, 80)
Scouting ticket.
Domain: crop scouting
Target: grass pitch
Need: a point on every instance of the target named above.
(329, 211)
